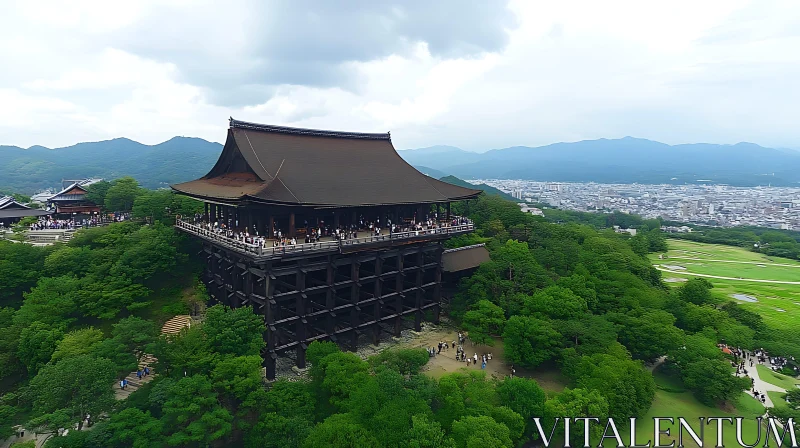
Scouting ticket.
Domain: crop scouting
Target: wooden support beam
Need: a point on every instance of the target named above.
(355, 292)
(419, 292)
(291, 225)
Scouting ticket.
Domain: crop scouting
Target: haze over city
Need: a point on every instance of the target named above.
(501, 74)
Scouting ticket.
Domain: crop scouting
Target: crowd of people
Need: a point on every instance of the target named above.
(742, 359)
(315, 234)
(51, 223)
(461, 354)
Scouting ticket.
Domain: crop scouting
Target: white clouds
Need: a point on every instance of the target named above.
(720, 71)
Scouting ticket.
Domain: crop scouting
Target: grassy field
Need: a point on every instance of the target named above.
(776, 378)
(778, 304)
(672, 400)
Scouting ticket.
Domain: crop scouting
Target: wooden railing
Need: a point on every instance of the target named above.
(279, 251)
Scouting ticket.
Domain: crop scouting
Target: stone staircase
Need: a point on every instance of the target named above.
(176, 324)
(172, 326)
(134, 383)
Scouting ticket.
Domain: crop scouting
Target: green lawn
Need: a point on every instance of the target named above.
(778, 304)
(691, 249)
(683, 404)
(776, 379)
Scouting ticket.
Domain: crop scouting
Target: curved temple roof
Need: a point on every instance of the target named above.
(282, 165)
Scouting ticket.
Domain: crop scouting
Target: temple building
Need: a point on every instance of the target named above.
(12, 211)
(71, 201)
(329, 235)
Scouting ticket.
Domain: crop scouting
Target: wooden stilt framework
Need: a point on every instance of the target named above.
(335, 296)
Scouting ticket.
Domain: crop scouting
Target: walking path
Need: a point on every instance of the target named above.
(778, 282)
(764, 263)
(134, 383)
(761, 385)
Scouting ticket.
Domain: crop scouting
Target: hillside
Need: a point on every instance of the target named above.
(176, 160)
(486, 188)
(622, 160)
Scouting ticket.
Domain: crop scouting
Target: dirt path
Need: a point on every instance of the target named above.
(764, 263)
(777, 282)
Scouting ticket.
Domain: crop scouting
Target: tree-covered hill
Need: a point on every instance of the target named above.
(176, 160)
(562, 296)
(486, 188)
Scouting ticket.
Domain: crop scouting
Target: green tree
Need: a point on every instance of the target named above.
(97, 192)
(121, 194)
(76, 343)
(21, 265)
(75, 386)
(135, 334)
(426, 433)
(575, 403)
(483, 431)
(237, 332)
(483, 321)
(239, 380)
(277, 431)
(37, 344)
(712, 380)
(523, 396)
(192, 414)
(340, 431)
(9, 342)
(405, 361)
(530, 341)
(696, 291)
(625, 384)
(53, 302)
(648, 335)
(135, 429)
(555, 302)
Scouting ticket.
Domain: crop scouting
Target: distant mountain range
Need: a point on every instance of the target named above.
(176, 160)
(623, 160)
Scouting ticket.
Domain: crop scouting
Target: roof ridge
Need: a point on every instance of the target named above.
(237, 124)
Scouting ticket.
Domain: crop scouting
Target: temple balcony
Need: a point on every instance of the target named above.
(326, 244)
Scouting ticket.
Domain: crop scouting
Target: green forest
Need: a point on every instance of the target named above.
(565, 295)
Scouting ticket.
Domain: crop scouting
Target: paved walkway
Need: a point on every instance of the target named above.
(134, 383)
(761, 385)
(778, 282)
(764, 263)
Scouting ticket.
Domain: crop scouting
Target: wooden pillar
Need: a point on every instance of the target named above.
(330, 297)
(400, 296)
(271, 226)
(355, 293)
(237, 275)
(378, 294)
(300, 326)
(260, 226)
(213, 217)
(354, 217)
(438, 211)
(447, 210)
(269, 322)
(419, 292)
(205, 213)
(291, 224)
(437, 290)
(336, 219)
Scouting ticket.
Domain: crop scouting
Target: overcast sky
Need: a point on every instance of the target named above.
(477, 75)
